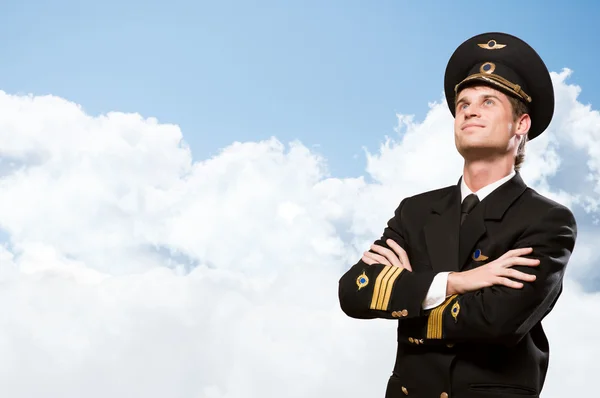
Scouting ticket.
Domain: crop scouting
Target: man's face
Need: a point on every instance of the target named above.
(484, 125)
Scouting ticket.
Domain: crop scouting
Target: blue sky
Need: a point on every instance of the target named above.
(331, 74)
(92, 236)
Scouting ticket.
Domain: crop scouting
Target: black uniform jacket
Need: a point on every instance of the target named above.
(487, 343)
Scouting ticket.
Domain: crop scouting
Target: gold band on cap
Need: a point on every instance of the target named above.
(499, 81)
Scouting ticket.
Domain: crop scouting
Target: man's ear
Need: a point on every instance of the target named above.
(523, 124)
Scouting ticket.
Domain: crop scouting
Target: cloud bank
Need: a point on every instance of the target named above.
(128, 269)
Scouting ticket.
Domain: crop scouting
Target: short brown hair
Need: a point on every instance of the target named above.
(519, 108)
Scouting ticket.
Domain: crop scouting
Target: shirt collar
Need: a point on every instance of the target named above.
(485, 191)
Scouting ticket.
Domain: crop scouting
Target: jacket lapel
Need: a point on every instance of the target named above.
(441, 232)
(492, 207)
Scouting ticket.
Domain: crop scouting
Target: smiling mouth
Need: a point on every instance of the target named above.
(466, 126)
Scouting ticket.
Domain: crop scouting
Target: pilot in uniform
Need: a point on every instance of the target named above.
(489, 342)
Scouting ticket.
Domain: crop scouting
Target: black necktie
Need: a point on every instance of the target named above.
(467, 205)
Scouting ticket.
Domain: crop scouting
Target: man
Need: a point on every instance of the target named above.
(469, 271)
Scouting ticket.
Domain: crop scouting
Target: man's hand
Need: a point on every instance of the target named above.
(496, 272)
(386, 256)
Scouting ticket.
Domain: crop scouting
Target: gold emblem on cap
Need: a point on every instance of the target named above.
(488, 68)
(492, 45)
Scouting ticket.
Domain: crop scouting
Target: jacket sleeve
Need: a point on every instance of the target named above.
(380, 291)
(501, 314)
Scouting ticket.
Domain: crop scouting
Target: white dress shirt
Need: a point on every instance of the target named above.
(437, 291)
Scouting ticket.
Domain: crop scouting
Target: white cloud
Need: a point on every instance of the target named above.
(133, 271)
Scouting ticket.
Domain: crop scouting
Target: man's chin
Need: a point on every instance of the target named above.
(477, 151)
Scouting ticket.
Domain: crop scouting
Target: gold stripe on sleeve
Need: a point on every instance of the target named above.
(434, 323)
(383, 288)
(390, 287)
(377, 286)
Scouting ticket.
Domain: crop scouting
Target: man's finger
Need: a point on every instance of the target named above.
(376, 258)
(401, 253)
(387, 253)
(507, 282)
(513, 273)
(531, 262)
(367, 260)
(517, 252)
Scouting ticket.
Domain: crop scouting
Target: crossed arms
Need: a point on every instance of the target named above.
(483, 304)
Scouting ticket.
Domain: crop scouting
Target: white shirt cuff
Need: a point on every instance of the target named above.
(437, 291)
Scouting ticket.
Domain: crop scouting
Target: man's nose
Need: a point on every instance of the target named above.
(472, 111)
